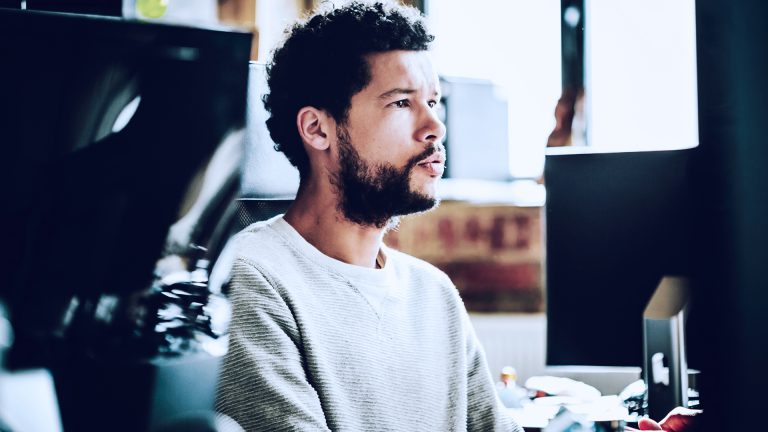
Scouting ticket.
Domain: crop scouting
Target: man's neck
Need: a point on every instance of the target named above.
(315, 215)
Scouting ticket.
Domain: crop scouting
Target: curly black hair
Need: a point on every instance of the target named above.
(322, 64)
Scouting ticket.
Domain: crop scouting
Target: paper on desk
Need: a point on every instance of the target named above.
(542, 410)
(604, 408)
(560, 386)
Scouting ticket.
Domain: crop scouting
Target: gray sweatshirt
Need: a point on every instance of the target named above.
(317, 344)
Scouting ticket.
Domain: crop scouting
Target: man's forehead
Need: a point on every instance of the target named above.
(402, 70)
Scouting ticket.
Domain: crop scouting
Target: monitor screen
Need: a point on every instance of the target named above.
(616, 223)
(104, 124)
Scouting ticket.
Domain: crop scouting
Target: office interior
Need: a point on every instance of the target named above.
(603, 202)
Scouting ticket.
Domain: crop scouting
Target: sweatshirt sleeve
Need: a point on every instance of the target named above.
(485, 411)
(263, 384)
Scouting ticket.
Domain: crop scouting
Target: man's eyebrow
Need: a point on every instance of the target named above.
(396, 91)
(401, 91)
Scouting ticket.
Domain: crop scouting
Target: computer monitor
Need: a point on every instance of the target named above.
(731, 177)
(616, 224)
(105, 125)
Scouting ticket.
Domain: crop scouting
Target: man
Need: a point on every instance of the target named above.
(332, 330)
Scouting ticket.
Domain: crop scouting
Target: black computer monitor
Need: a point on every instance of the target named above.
(91, 186)
(732, 180)
(616, 224)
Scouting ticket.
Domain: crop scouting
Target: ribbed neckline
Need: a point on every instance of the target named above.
(365, 275)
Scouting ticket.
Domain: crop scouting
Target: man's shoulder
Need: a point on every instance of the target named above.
(261, 245)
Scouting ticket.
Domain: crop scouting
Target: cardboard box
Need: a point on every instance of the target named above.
(493, 253)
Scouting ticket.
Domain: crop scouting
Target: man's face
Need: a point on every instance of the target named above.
(390, 148)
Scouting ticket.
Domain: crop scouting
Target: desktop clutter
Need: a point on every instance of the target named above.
(556, 404)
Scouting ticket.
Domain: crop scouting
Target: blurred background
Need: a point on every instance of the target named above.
(595, 148)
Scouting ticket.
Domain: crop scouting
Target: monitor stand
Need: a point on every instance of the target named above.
(666, 369)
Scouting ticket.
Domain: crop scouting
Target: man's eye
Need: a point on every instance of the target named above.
(403, 103)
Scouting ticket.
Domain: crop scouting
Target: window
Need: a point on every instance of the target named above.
(639, 67)
(640, 75)
(516, 44)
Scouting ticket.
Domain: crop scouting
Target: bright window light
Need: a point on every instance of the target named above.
(640, 69)
(515, 44)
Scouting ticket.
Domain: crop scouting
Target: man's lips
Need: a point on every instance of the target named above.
(437, 157)
(435, 164)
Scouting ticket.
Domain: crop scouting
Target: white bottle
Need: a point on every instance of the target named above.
(510, 394)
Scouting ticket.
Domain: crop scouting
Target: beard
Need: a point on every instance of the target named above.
(376, 194)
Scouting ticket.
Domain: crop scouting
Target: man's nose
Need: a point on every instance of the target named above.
(432, 129)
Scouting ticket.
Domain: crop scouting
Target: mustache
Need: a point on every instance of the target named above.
(428, 152)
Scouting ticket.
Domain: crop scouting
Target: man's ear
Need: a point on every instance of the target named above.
(313, 126)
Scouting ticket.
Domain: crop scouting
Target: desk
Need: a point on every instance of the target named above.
(606, 411)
